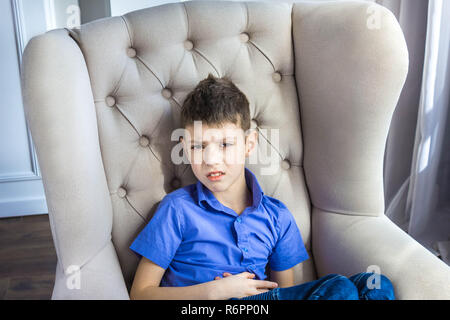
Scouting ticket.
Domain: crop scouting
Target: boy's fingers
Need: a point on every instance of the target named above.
(225, 274)
(246, 274)
(266, 284)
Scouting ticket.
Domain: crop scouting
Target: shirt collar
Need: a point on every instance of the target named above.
(205, 195)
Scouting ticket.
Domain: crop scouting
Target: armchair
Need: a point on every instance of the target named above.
(102, 102)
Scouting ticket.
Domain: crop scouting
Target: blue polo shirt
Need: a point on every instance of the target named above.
(196, 238)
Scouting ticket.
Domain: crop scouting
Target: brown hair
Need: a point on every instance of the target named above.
(216, 101)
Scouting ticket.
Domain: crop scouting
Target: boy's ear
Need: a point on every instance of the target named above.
(251, 142)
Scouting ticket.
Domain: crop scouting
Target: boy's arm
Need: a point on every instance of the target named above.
(284, 278)
(146, 286)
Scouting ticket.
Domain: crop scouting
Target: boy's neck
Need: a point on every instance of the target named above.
(237, 197)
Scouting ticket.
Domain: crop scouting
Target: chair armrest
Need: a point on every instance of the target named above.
(61, 114)
(349, 78)
(346, 245)
(99, 279)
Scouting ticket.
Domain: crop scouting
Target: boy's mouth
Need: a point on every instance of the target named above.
(215, 175)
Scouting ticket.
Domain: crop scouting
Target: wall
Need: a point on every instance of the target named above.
(21, 189)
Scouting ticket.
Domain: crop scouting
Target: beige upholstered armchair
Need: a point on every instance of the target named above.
(103, 100)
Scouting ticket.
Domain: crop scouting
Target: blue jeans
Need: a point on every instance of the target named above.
(334, 287)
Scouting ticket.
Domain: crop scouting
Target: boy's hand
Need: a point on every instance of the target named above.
(241, 285)
(226, 274)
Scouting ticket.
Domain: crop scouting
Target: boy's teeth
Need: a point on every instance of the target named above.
(215, 174)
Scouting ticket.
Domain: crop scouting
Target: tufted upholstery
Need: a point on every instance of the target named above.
(102, 102)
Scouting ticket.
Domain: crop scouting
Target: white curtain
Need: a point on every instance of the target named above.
(412, 16)
(428, 201)
(417, 157)
(417, 168)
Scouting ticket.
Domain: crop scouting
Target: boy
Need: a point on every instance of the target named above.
(223, 225)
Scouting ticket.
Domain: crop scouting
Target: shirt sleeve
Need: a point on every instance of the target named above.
(289, 249)
(161, 237)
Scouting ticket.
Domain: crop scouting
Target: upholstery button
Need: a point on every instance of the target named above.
(144, 141)
(285, 164)
(188, 45)
(110, 101)
(166, 93)
(121, 192)
(276, 76)
(244, 37)
(131, 52)
(175, 183)
(253, 124)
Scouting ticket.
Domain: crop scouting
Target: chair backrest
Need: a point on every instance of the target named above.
(141, 67)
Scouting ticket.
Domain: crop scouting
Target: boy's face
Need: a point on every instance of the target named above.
(221, 149)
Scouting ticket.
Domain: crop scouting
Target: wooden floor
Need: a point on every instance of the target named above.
(27, 258)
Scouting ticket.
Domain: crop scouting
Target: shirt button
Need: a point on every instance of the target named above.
(239, 219)
(245, 249)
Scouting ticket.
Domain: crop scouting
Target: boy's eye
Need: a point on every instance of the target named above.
(198, 147)
(227, 144)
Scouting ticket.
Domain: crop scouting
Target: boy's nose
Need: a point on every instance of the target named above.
(212, 155)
